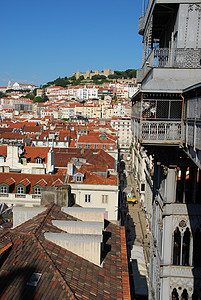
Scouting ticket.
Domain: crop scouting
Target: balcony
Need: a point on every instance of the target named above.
(170, 58)
(157, 120)
(193, 134)
(36, 196)
(20, 195)
(4, 195)
(192, 122)
(161, 132)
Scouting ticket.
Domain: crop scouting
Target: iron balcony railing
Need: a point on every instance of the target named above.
(173, 58)
(152, 132)
(178, 58)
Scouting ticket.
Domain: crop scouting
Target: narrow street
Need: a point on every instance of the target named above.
(138, 237)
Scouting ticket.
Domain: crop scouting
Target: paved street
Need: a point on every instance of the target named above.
(138, 238)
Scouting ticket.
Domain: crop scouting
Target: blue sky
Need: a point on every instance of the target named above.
(42, 40)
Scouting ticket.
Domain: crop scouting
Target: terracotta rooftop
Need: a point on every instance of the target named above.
(93, 157)
(64, 275)
(32, 179)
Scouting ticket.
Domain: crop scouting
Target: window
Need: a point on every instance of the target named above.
(20, 190)
(181, 247)
(175, 295)
(142, 187)
(80, 145)
(87, 198)
(95, 146)
(104, 198)
(38, 160)
(88, 146)
(79, 178)
(4, 189)
(103, 146)
(37, 191)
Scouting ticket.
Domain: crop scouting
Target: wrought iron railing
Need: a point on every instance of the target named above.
(158, 131)
(20, 195)
(161, 131)
(175, 58)
(4, 195)
(36, 196)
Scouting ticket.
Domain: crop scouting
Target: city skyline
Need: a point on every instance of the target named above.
(43, 41)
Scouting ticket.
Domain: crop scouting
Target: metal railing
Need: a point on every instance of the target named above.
(4, 195)
(174, 58)
(193, 134)
(158, 131)
(20, 195)
(36, 196)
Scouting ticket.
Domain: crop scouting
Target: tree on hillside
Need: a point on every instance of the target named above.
(2, 95)
(37, 99)
(44, 97)
(30, 96)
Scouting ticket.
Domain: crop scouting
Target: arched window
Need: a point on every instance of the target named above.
(184, 295)
(181, 248)
(196, 248)
(186, 248)
(177, 247)
(175, 295)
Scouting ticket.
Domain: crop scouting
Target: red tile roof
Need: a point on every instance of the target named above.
(3, 151)
(65, 275)
(32, 179)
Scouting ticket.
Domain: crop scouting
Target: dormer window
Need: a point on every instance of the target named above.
(39, 160)
(20, 190)
(79, 178)
(4, 189)
(2, 158)
(37, 191)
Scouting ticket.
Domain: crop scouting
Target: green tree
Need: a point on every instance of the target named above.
(30, 96)
(72, 78)
(2, 95)
(44, 97)
(60, 82)
(37, 99)
(95, 77)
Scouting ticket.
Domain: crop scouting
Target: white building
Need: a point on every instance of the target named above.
(23, 86)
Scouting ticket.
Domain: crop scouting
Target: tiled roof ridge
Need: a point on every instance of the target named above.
(62, 281)
(124, 260)
(45, 218)
(40, 224)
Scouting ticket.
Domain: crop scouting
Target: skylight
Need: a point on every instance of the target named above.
(34, 279)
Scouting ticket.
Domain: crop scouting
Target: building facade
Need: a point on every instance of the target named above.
(166, 124)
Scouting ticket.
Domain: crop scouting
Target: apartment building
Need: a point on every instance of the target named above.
(123, 128)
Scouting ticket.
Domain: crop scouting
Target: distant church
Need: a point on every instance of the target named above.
(21, 86)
